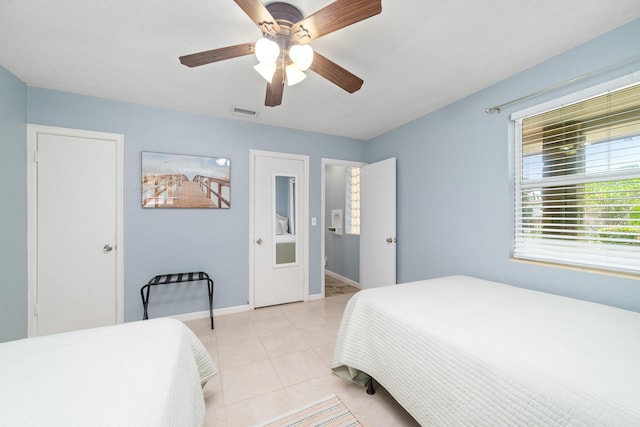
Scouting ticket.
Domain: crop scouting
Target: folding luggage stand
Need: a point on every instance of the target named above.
(166, 279)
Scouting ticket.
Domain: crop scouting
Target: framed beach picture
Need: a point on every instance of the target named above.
(183, 181)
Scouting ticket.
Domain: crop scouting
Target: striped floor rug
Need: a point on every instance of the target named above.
(328, 412)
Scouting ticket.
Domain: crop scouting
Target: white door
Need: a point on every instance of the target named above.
(279, 240)
(378, 224)
(76, 232)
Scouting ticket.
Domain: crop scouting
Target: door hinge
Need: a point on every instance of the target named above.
(35, 156)
(35, 309)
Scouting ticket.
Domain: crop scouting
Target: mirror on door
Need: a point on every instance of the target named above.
(284, 219)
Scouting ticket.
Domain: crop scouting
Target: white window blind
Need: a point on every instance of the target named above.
(352, 202)
(577, 183)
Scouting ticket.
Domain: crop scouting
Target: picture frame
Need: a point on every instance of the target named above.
(185, 181)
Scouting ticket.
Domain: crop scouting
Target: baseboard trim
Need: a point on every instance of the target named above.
(205, 314)
(342, 278)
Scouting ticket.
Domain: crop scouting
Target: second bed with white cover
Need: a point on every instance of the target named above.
(147, 373)
(464, 351)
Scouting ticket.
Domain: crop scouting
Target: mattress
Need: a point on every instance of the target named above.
(285, 248)
(464, 351)
(137, 374)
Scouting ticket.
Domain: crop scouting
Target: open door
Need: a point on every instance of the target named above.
(378, 224)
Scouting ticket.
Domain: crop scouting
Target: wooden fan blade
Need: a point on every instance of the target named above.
(215, 55)
(335, 73)
(335, 16)
(260, 15)
(275, 89)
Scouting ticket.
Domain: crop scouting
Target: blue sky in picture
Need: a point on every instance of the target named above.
(165, 164)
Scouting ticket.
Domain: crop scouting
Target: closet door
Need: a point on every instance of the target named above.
(77, 228)
(279, 239)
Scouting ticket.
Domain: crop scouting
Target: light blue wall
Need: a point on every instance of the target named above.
(13, 207)
(455, 168)
(343, 252)
(160, 241)
(455, 203)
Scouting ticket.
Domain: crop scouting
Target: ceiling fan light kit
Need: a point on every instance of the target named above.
(266, 71)
(267, 51)
(301, 55)
(294, 75)
(269, 55)
(283, 52)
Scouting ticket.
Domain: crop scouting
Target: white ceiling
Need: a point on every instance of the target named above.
(415, 57)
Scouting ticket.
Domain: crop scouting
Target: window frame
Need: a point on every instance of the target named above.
(519, 186)
(349, 211)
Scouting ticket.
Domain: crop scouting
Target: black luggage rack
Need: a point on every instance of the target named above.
(167, 279)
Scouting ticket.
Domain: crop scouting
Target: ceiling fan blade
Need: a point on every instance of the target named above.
(335, 73)
(260, 15)
(275, 89)
(215, 55)
(335, 16)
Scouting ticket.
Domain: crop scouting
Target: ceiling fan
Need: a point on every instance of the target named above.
(283, 51)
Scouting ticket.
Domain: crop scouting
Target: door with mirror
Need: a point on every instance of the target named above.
(279, 245)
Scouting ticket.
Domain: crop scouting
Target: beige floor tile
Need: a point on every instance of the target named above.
(229, 320)
(213, 393)
(274, 326)
(322, 333)
(315, 389)
(294, 368)
(287, 342)
(304, 320)
(200, 326)
(208, 337)
(378, 410)
(334, 314)
(258, 409)
(245, 382)
(266, 313)
(325, 353)
(241, 353)
(216, 417)
(321, 308)
(240, 332)
(294, 308)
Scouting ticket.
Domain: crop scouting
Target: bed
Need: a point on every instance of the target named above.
(285, 248)
(463, 351)
(147, 373)
(285, 241)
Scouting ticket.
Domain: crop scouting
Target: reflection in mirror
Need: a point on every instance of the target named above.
(284, 220)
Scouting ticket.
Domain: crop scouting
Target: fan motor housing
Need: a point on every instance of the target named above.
(285, 15)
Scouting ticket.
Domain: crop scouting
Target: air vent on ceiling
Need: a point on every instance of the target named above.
(245, 112)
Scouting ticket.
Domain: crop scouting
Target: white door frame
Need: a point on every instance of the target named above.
(328, 162)
(304, 211)
(32, 220)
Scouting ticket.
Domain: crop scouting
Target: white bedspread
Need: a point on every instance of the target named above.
(463, 351)
(136, 374)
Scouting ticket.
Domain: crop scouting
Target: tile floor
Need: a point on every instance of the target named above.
(275, 359)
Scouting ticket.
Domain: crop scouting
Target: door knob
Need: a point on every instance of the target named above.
(107, 248)
(259, 241)
(391, 240)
